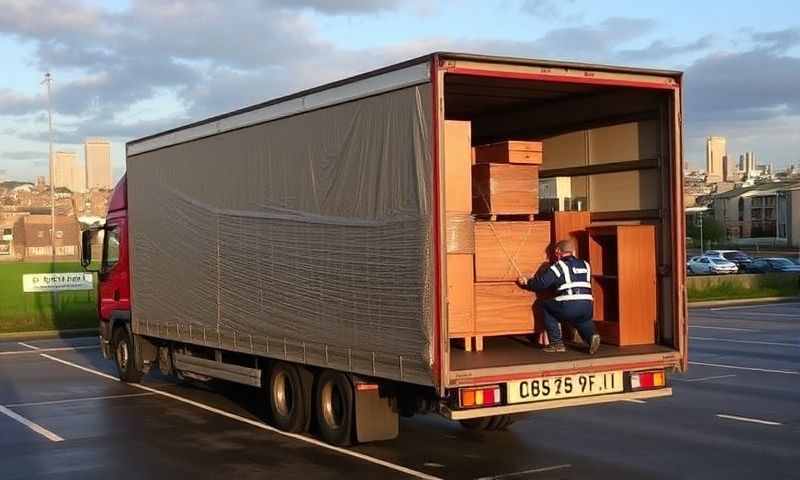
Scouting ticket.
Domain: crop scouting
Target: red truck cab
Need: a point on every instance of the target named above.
(114, 292)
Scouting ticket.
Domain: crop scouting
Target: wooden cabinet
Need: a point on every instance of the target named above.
(499, 246)
(457, 166)
(623, 264)
(510, 152)
(505, 189)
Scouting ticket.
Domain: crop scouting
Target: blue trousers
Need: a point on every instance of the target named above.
(577, 313)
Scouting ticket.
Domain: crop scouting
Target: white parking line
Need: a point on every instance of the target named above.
(750, 420)
(702, 379)
(738, 307)
(56, 349)
(32, 347)
(526, 472)
(750, 342)
(255, 423)
(731, 329)
(74, 400)
(736, 367)
(32, 425)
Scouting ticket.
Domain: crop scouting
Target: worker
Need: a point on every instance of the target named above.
(571, 279)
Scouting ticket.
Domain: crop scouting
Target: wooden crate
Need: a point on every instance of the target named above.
(505, 189)
(457, 165)
(503, 308)
(460, 296)
(510, 152)
(498, 243)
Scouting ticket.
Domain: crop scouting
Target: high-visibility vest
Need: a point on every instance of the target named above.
(574, 279)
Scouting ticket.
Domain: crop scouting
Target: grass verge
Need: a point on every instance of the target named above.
(732, 290)
(28, 312)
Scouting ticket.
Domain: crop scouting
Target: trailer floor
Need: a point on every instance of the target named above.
(510, 351)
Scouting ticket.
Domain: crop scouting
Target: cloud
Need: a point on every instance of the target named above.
(23, 155)
(340, 7)
(778, 40)
(660, 50)
(548, 9)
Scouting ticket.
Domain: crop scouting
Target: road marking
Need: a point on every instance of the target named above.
(752, 342)
(738, 307)
(32, 425)
(526, 472)
(255, 423)
(57, 349)
(433, 465)
(702, 379)
(73, 400)
(724, 328)
(736, 367)
(634, 400)
(750, 420)
(32, 347)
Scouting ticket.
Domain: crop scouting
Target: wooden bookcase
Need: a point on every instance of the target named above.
(623, 263)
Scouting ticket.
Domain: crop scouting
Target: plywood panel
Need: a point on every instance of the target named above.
(505, 189)
(460, 294)
(457, 164)
(624, 142)
(510, 152)
(503, 308)
(635, 190)
(562, 151)
(501, 245)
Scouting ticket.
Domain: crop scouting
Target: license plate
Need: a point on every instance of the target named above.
(566, 386)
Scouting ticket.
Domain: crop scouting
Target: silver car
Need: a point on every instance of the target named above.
(706, 265)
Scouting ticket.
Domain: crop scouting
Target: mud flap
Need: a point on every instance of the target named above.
(376, 417)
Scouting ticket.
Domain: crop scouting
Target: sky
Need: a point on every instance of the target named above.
(123, 69)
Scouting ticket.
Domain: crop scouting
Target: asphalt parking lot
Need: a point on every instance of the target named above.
(735, 414)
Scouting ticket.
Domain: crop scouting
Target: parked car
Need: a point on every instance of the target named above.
(738, 257)
(707, 265)
(772, 264)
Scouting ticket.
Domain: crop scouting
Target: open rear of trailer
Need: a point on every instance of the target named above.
(312, 234)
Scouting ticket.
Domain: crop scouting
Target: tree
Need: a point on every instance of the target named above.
(713, 231)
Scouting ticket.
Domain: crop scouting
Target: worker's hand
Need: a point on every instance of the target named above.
(522, 281)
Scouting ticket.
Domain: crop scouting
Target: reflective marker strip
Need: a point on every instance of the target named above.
(32, 425)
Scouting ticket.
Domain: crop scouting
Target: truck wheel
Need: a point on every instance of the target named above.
(286, 397)
(334, 408)
(122, 345)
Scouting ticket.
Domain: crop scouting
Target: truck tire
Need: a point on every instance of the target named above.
(286, 397)
(124, 358)
(334, 405)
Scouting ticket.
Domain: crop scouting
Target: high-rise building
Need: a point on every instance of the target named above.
(66, 172)
(715, 153)
(729, 169)
(749, 165)
(97, 153)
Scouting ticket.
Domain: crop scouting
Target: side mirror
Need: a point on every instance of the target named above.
(86, 247)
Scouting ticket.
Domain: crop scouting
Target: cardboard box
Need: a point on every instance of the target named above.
(457, 164)
(501, 245)
(460, 295)
(503, 308)
(510, 152)
(505, 189)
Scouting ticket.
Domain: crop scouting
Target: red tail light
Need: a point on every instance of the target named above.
(479, 396)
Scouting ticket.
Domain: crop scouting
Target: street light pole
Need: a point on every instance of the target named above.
(48, 80)
(701, 233)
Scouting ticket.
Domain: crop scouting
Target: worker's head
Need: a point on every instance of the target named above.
(564, 248)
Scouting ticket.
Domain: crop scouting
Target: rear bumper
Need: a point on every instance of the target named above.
(552, 404)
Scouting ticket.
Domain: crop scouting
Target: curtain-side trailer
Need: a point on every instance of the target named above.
(299, 245)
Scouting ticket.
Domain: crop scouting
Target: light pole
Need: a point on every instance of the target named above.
(701, 232)
(48, 80)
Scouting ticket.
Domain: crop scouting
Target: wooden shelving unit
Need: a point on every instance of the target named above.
(623, 264)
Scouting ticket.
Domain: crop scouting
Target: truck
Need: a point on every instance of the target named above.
(299, 247)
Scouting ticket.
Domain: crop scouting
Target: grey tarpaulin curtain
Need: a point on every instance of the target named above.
(315, 227)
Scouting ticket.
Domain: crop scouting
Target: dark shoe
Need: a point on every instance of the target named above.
(555, 348)
(595, 344)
